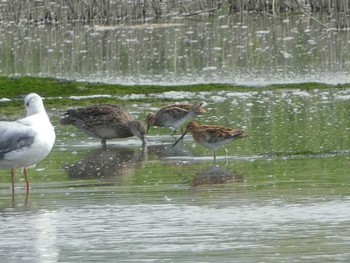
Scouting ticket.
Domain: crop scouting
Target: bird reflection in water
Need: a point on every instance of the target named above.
(216, 175)
(167, 150)
(106, 164)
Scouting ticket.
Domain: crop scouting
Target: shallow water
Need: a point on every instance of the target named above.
(104, 225)
(281, 195)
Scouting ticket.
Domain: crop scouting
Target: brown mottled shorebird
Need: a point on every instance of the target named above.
(174, 116)
(105, 121)
(212, 136)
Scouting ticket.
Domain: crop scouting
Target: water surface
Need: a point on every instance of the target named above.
(281, 195)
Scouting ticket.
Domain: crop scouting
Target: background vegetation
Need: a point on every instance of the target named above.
(116, 11)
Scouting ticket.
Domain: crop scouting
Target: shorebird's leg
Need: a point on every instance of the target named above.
(173, 132)
(214, 157)
(13, 184)
(104, 143)
(25, 171)
(225, 154)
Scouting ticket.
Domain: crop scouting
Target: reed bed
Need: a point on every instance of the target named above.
(118, 11)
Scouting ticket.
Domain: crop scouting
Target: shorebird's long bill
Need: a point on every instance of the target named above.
(183, 135)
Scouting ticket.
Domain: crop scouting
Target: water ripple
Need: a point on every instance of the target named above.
(156, 231)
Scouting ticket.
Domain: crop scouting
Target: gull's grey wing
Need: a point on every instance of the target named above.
(14, 136)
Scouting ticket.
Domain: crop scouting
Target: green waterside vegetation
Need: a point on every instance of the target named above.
(11, 87)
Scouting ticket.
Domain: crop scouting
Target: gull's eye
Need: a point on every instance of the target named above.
(27, 104)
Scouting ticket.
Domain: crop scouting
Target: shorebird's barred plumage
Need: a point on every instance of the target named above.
(212, 136)
(174, 116)
(105, 121)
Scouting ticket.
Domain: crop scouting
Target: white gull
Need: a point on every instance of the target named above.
(27, 141)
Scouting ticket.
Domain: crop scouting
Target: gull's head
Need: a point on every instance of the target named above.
(34, 104)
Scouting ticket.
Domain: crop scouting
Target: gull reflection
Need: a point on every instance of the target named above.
(107, 163)
(216, 175)
(16, 201)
